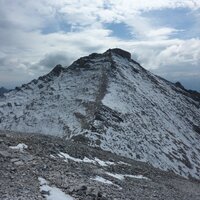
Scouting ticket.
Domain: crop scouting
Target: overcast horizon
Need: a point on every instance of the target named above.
(162, 35)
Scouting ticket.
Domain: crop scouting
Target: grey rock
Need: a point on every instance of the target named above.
(26, 157)
(93, 192)
(14, 160)
(83, 187)
(18, 163)
(5, 154)
(45, 193)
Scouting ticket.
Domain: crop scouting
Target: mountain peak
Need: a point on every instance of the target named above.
(57, 70)
(120, 52)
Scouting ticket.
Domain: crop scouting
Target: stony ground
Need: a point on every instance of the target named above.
(21, 171)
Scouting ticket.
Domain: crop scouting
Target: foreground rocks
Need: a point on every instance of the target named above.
(81, 172)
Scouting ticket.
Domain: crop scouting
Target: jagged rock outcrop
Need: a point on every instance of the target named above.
(3, 91)
(109, 101)
(191, 93)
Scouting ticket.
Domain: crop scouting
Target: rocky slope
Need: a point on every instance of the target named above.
(109, 101)
(38, 167)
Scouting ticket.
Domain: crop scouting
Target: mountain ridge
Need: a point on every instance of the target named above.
(109, 101)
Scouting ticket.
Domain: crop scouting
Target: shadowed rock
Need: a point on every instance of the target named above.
(120, 52)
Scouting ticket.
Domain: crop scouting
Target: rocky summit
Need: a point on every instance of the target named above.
(109, 101)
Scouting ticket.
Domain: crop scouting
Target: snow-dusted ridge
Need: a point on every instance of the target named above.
(110, 101)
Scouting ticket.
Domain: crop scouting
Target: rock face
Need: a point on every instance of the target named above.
(122, 53)
(110, 101)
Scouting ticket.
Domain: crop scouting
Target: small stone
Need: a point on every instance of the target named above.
(71, 190)
(14, 160)
(81, 192)
(99, 194)
(18, 163)
(26, 157)
(102, 198)
(45, 193)
(13, 170)
(3, 135)
(83, 187)
(93, 192)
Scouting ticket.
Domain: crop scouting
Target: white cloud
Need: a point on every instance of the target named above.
(153, 4)
(23, 44)
(187, 52)
(26, 15)
(161, 33)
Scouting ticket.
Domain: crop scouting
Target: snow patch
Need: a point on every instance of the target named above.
(85, 160)
(136, 176)
(122, 176)
(67, 156)
(123, 163)
(52, 156)
(52, 193)
(117, 176)
(20, 147)
(103, 163)
(102, 180)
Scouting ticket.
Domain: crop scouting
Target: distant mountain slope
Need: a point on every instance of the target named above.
(3, 91)
(110, 101)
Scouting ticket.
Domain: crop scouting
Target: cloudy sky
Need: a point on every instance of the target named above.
(162, 35)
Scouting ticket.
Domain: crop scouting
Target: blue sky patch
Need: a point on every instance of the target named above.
(180, 18)
(57, 25)
(119, 30)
